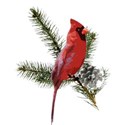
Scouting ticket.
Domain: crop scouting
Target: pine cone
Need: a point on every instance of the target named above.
(89, 76)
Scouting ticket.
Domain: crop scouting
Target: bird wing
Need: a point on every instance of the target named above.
(60, 62)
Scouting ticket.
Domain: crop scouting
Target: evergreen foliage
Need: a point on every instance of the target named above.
(37, 72)
(91, 45)
(47, 31)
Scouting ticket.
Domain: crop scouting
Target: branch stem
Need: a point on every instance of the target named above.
(91, 96)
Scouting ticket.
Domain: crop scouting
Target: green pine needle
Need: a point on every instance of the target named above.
(37, 72)
(47, 31)
(86, 94)
(91, 45)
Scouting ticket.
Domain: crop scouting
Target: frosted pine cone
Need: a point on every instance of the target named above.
(90, 76)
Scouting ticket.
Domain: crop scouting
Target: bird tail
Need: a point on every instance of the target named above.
(53, 105)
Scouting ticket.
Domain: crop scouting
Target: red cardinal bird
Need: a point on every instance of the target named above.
(70, 58)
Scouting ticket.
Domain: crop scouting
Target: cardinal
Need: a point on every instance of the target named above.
(70, 59)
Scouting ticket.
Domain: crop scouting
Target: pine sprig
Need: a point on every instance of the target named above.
(80, 88)
(87, 96)
(47, 31)
(37, 72)
(91, 45)
(40, 73)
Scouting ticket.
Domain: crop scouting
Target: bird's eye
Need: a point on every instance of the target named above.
(78, 29)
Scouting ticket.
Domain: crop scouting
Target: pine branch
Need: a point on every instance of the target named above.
(91, 45)
(47, 31)
(37, 72)
(84, 91)
(40, 73)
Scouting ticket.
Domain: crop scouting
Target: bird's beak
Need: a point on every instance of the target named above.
(85, 31)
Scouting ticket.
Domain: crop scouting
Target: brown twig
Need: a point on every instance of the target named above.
(90, 96)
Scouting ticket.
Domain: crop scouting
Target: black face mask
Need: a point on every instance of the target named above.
(79, 31)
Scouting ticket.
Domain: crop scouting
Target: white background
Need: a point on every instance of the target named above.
(23, 102)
